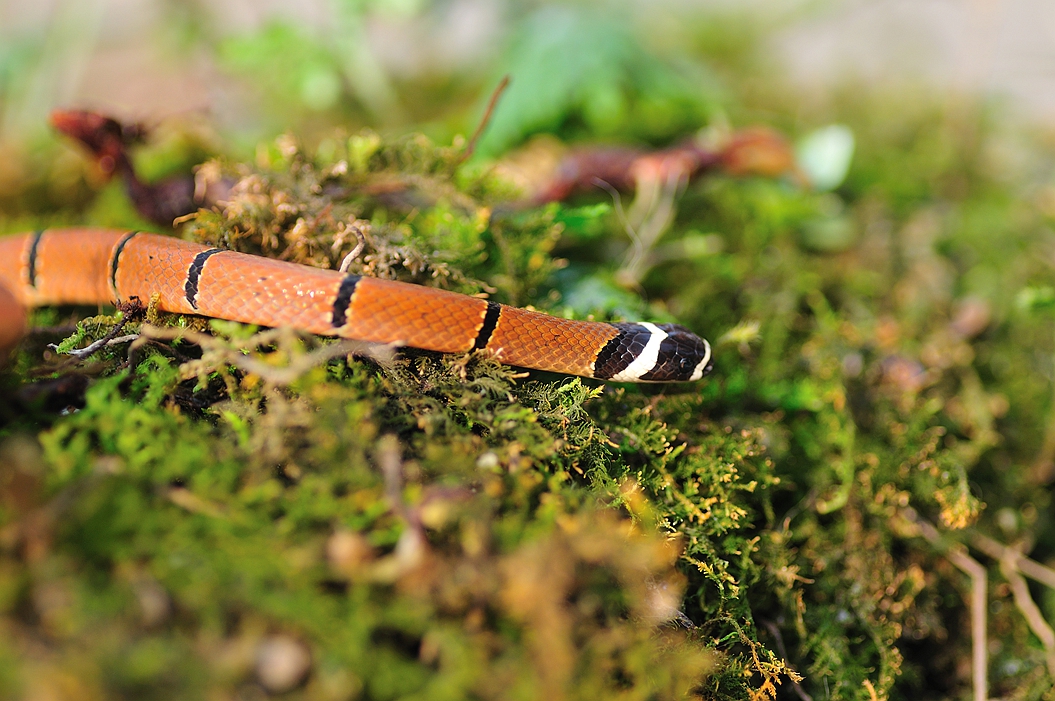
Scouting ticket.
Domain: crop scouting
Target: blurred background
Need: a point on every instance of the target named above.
(887, 321)
(253, 68)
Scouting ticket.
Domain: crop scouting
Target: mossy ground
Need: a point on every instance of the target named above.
(437, 527)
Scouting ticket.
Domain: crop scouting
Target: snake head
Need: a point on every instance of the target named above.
(644, 352)
(683, 356)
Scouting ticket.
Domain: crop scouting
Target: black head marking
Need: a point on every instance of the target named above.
(680, 356)
(622, 350)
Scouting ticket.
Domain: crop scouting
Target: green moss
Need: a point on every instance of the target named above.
(443, 527)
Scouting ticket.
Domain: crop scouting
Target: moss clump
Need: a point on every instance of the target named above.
(408, 556)
(436, 527)
(443, 527)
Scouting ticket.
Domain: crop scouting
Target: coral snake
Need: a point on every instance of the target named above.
(98, 266)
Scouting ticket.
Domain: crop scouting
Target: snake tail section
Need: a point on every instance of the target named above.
(97, 266)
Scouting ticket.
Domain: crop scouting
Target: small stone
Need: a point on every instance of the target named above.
(487, 461)
(348, 551)
(971, 317)
(154, 602)
(282, 663)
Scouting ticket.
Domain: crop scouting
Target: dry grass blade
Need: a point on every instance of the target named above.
(219, 351)
(486, 119)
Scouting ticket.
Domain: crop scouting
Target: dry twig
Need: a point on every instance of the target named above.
(131, 310)
(1013, 564)
(957, 555)
(1030, 611)
(471, 147)
(219, 351)
(1031, 568)
(361, 237)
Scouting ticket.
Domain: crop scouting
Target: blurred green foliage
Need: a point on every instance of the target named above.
(442, 527)
(583, 73)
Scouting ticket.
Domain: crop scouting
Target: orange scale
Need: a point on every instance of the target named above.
(533, 339)
(62, 250)
(257, 290)
(384, 311)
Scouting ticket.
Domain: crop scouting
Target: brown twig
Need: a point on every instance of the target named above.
(979, 636)
(471, 146)
(1013, 564)
(82, 353)
(132, 310)
(1030, 611)
(361, 238)
(1031, 568)
(957, 555)
(109, 141)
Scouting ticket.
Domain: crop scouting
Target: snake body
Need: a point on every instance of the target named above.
(98, 266)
